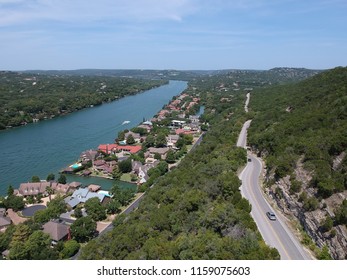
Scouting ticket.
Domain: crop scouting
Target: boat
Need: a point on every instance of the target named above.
(125, 122)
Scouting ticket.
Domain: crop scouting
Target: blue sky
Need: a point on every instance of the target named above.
(172, 34)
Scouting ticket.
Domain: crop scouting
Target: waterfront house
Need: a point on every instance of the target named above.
(99, 162)
(115, 148)
(60, 188)
(75, 185)
(94, 188)
(29, 189)
(136, 136)
(86, 173)
(56, 231)
(89, 155)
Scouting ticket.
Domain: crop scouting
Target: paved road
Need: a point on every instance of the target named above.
(242, 140)
(275, 233)
(247, 101)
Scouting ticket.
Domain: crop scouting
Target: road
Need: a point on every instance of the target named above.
(275, 233)
(247, 101)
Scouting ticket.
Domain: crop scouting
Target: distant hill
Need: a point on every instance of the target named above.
(25, 97)
(272, 76)
(301, 130)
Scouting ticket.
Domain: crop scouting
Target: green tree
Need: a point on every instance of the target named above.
(94, 209)
(157, 156)
(14, 202)
(83, 229)
(324, 253)
(121, 136)
(78, 212)
(150, 141)
(170, 157)
(113, 207)
(180, 142)
(123, 196)
(35, 179)
(38, 246)
(116, 173)
(49, 191)
(341, 214)
(125, 166)
(50, 177)
(160, 140)
(327, 224)
(130, 139)
(6, 237)
(18, 251)
(10, 190)
(71, 247)
(62, 179)
(163, 167)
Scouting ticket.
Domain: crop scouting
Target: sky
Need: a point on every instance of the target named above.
(172, 34)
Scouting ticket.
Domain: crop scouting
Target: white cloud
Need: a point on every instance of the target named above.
(19, 11)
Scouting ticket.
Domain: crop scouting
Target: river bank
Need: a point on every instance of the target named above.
(46, 147)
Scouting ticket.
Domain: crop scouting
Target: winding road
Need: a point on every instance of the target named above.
(275, 233)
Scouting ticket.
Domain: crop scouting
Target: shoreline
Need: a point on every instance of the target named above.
(89, 106)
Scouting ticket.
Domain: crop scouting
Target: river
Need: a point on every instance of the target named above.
(48, 146)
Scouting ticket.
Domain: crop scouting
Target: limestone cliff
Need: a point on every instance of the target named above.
(292, 206)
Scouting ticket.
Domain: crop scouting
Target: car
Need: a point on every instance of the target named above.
(271, 215)
(249, 159)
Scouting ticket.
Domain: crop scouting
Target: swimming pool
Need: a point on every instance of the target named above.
(76, 165)
(106, 193)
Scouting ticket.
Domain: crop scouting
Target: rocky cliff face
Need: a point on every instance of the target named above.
(291, 205)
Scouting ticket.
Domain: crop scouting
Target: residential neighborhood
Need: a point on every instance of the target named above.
(139, 156)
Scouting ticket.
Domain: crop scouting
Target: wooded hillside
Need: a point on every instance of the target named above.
(195, 211)
(24, 97)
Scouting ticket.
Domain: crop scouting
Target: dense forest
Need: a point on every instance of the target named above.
(255, 78)
(302, 128)
(25, 97)
(196, 210)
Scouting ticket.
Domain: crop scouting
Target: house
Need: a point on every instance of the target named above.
(136, 136)
(194, 119)
(4, 222)
(57, 231)
(172, 140)
(99, 163)
(177, 123)
(149, 155)
(28, 189)
(2, 212)
(115, 148)
(60, 188)
(94, 188)
(86, 173)
(185, 130)
(89, 155)
(5, 254)
(136, 165)
(81, 196)
(75, 185)
(143, 170)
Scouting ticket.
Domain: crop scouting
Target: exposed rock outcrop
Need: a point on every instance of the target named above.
(311, 221)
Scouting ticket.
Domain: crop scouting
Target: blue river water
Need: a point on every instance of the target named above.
(48, 146)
